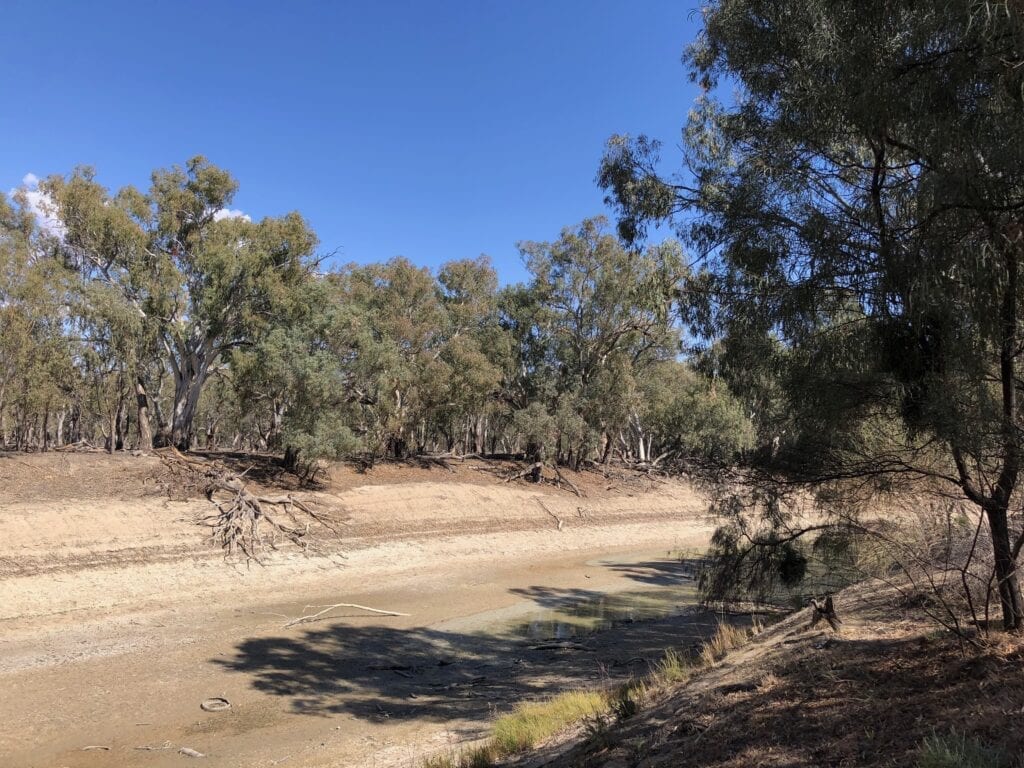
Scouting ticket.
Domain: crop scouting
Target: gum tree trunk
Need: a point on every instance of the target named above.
(191, 369)
(142, 404)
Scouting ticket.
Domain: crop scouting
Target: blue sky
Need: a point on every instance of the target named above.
(433, 130)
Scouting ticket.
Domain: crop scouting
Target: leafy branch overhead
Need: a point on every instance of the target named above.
(853, 178)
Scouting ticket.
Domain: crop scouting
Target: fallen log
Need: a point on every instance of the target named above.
(538, 465)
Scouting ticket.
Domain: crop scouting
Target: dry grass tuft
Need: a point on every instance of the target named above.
(726, 638)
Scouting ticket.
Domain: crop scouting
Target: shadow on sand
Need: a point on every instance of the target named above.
(381, 672)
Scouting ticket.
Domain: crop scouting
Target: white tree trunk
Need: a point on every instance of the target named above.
(58, 437)
(142, 404)
(191, 369)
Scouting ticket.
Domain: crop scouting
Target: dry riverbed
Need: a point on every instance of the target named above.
(117, 620)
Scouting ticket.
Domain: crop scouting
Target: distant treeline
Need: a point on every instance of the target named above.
(130, 319)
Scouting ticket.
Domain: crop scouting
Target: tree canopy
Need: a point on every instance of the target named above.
(857, 203)
(226, 332)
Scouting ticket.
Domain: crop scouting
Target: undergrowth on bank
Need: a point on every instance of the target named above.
(957, 750)
(530, 724)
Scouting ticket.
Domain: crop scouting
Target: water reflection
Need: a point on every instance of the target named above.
(585, 613)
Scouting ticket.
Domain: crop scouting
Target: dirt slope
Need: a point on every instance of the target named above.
(86, 520)
(810, 698)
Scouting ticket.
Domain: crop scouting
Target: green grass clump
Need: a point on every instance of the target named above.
(958, 751)
(531, 723)
(673, 668)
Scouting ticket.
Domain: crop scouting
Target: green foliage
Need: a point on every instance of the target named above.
(858, 201)
(163, 305)
(866, 228)
(535, 426)
(589, 327)
(693, 416)
(36, 357)
(957, 750)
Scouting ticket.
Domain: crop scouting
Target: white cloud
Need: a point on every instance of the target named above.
(40, 204)
(229, 213)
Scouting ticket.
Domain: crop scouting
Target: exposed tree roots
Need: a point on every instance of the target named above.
(536, 469)
(246, 524)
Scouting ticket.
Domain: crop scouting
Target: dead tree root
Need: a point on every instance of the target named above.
(246, 524)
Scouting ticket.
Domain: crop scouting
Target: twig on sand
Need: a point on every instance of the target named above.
(329, 608)
(558, 520)
(155, 747)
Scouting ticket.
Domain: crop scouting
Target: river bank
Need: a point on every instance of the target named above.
(118, 620)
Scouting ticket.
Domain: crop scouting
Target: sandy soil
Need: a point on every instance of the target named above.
(117, 619)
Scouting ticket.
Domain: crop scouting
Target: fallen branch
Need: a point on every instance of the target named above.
(327, 609)
(539, 465)
(440, 460)
(558, 520)
(568, 482)
(81, 445)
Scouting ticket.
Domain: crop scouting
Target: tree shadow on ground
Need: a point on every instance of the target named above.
(380, 672)
(660, 573)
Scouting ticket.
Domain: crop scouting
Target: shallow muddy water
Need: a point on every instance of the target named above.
(603, 612)
(670, 591)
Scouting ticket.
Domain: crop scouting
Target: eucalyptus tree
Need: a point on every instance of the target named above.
(475, 351)
(15, 321)
(293, 387)
(418, 354)
(37, 377)
(204, 282)
(592, 319)
(692, 416)
(859, 199)
(389, 336)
